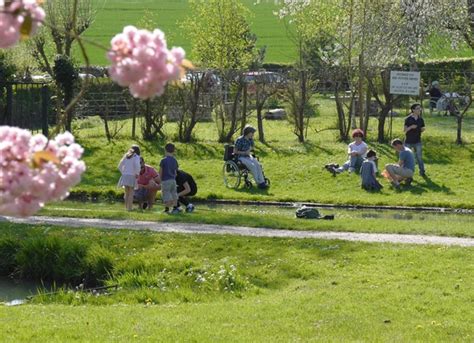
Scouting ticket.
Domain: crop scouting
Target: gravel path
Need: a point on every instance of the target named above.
(191, 228)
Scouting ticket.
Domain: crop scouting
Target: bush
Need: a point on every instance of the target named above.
(100, 264)
(52, 259)
(60, 260)
(8, 250)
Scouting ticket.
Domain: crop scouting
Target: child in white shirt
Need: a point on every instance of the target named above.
(129, 167)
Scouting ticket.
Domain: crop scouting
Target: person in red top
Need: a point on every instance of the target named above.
(149, 184)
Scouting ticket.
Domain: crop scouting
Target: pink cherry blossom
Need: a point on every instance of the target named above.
(14, 16)
(142, 62)
(34, 171)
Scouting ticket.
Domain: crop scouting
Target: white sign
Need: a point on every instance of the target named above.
(405, 82)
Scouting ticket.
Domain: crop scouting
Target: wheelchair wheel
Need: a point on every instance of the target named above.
(248, 184)
(231, 174)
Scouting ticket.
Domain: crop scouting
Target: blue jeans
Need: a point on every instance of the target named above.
(354, 162)
(418, 149)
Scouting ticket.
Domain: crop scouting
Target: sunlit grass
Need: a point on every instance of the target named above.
(308, 290)
(296, 170)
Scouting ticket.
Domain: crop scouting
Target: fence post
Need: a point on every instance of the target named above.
(9, 107)
(44, 109)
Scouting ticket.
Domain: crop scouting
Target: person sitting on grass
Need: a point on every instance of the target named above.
(356, 151)
(168, 171)
(148, 186)
(368, 172)
(243, 150)
(405, 168)
(186, 187)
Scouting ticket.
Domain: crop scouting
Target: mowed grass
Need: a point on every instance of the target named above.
(372, 221)
(297, 170)
(113, 15)
(307, 290)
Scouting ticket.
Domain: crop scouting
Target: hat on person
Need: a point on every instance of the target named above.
(357, 132)
(248, 129)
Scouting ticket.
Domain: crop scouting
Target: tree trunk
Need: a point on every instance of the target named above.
(381, 126)
(134, 118)
(243, 119)
(261, 134)
(459, 130)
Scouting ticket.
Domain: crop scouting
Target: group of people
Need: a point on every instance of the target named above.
(141, 182)
(364, 160)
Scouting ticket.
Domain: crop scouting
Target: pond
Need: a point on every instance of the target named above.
(353, 213)
(11, 290)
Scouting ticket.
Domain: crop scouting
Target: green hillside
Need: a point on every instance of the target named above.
(113, 15)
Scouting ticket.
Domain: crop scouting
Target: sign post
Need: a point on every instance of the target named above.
(403, 83)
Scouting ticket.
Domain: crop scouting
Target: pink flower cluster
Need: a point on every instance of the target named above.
(141, 61)
(34, 170)
(19, 19)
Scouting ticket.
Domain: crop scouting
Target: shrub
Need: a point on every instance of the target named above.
(100, 264)
(8, 249)
(52, 259)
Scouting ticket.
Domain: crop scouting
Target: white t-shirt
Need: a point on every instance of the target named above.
(130, 166)
(360, 149)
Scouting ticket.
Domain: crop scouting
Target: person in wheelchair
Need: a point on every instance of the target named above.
(243, 151)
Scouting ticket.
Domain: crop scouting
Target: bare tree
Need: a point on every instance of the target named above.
(191, 98)
(263, 86)
(61, 28)
(229, 105)
(298, 94)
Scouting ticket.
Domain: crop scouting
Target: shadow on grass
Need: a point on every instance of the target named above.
(306, 147)
(419, 187)
(254, 191)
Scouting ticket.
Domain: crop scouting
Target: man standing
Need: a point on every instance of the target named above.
(186, 187)
(414, 126)
(148, 184)
(405, 168)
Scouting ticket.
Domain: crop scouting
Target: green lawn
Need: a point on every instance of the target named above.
(296, 170)
(113, 15)
(372, 221)
(281, 290)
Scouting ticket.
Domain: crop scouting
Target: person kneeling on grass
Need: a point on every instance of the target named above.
(148, 185)
(186, 187)
(168, 171)
(405, 168)
(356, 151)
(368, 172)
(243, 150)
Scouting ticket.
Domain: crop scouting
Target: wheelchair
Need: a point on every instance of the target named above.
(234, 171)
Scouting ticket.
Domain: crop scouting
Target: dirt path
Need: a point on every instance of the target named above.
(192, 228)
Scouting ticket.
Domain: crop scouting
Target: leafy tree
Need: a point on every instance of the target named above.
(220, 34)
(222, 40)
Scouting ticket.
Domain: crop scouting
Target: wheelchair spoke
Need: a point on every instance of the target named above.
(231, 174)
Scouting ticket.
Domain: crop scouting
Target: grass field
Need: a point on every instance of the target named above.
(113, 15)
(280, 290)
(296, 170)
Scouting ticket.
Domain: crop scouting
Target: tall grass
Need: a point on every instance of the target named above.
(55, 259)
